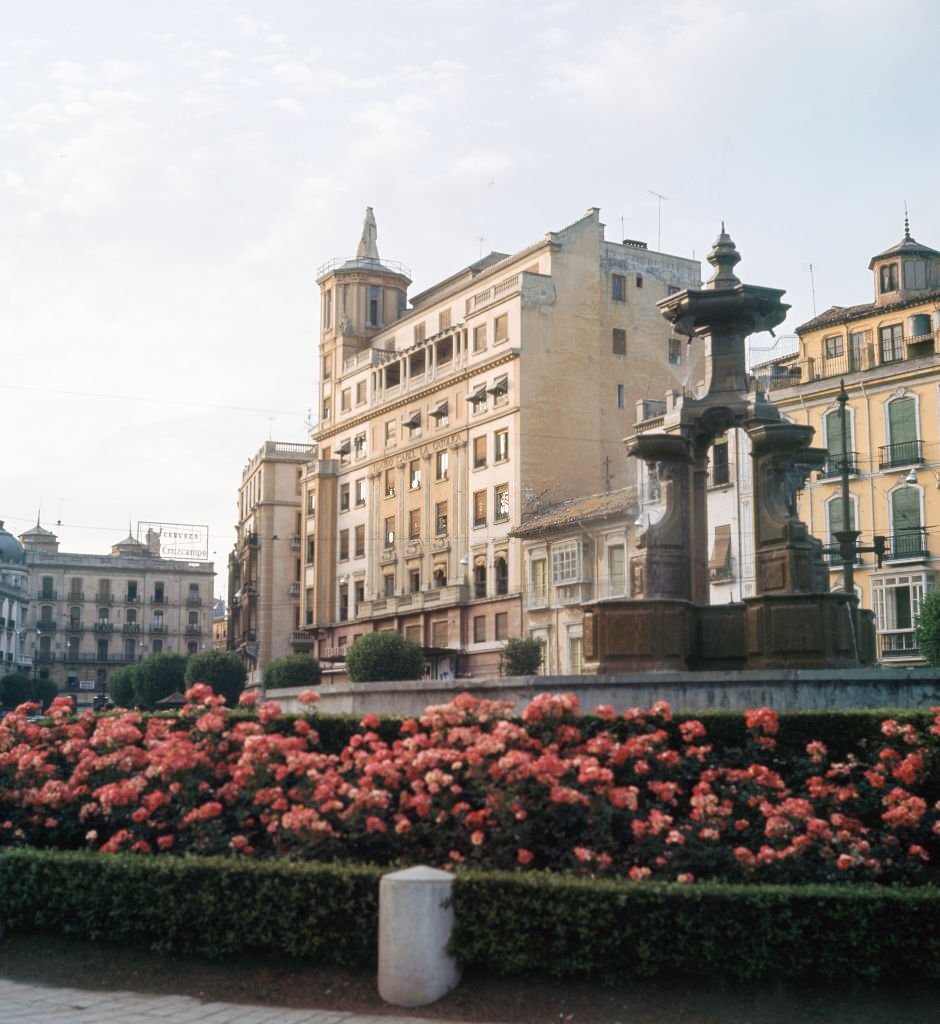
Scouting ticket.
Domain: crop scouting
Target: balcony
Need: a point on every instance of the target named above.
(104, 598)
(47, 595)
(833, 466)
(295, 542)
(867, 358)
(193, 630)
(898, 645)
(46, 626)
(906, 453)
(193, 600)
(299, 638)
(102, 626)
(293, 589)
(158, 628)
(537, 598)
(158, 599)
(131, 627)
(907, 544)
(75, 626)
(132, 598)
(75, 597)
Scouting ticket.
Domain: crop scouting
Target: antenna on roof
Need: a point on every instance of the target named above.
(659, 219)
(623, 231)
(481, 239)
(812, 287)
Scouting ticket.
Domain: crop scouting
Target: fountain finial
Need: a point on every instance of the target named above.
(723, 257)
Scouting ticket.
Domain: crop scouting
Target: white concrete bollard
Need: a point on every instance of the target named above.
(415, 922)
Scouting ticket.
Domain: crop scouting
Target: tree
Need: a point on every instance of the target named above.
(522, 656)
(122, 686)
(224, 671)
(384, 655)
(294, 670)
(15, 689)
(45, 692)
(158, 676)
(927, 630)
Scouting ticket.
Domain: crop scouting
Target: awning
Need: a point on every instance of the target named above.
(440, 411)
(413, 421)
(501, 387)
(479, 395)
(721, 550)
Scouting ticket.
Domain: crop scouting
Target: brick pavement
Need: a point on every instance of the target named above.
(21, 1003)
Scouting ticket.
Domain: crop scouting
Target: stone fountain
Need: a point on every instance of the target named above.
(668, 623)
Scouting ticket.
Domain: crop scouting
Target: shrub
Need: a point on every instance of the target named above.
(207, 905)
(294, 670)
(385, 655)
(609, 930)
(224, 671)
(15, 689)
(157, 677)
(928, 628)
(522, 656)
(122, 686)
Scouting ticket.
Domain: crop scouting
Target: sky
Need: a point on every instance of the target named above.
(172, 175)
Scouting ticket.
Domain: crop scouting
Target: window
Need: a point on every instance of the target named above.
(906, 533)
(131, 616)
(833, 346)
(479, 338)
(621, 397)
(414, 582)
(477, 399)
(618, 287)
(389, 531)
(616, 570)
(343, 452)
(574, 654)
(360, 392)
(75, 617)
(639, 280)
(310, 549)
(104, 589)
(479, 508)
(158, 593)
(414, 474)
(439, 632)
(413, 424)
(479, 452)
(538, 583)
(833, 425)
(443, 320)
(420, 332)
(157, 646)
(500, 391)
(915, 274)
(720, 471)
(672, 289)
(619, 342)
(327, 367)
(326, 408)
(501, 328)
(360, 537)
(501, 625)
(374, 308)
(311, 503)
(440, 518)
(440, 465)
(132, 591)
(835, 522)
(328, 308)
(501, 572)
(675, 352)
(360, 591)
(859, 344)
(192, 647)
(891, 340)
(566, 563)
(414, 524)
(344, 497)
(75, 588)
(389, 483)
(888, 277)
(345, 400)
(440, 414)
(902, 430)
(500, 503)
(360, 492)
(479, 629)
(343, 545)
(392, 374)
(359, 445)
(391, 432)
(388, 585)
(501, 446)
(193, 618)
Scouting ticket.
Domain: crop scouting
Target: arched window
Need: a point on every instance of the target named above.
(903, 447)
(835, 521)
(502, 575)
(479, 580)
(440, 578)
(833, 426)
(907, 540)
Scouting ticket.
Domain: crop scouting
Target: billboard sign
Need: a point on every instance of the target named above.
(183, 541)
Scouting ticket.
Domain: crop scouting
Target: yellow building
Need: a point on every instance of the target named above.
(886, 351)
(503, 389)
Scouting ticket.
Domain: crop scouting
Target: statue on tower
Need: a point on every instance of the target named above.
(368, 244)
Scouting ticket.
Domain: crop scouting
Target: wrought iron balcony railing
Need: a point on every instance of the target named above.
(907, 544)
(905, 453)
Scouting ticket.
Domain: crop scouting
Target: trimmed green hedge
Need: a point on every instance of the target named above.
(552, 924)
(326, 913)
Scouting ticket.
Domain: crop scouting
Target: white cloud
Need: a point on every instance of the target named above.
(290, 106)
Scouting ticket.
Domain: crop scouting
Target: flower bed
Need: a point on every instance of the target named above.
(631, 795)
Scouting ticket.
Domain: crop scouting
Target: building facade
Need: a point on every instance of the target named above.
(504, 389)
(14, 604)
(265, 565)
(886, 352)
(573, 552)
(93, 613)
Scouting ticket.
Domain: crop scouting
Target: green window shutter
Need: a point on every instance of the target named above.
(835, 516)
(834, 434)
(902, 421)
(905, 509)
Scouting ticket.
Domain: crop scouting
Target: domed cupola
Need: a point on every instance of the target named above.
(11, 551)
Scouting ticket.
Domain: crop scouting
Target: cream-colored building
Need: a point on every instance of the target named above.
(14, 604)
(573, 552)
(503, 389)
(93, 613)
(886, 351)
(265, 566)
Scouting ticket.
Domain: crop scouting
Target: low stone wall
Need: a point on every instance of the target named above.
(784, 690)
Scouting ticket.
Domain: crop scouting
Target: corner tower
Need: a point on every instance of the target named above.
(358, 297)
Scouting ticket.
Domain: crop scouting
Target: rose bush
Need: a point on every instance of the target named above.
(467, 783)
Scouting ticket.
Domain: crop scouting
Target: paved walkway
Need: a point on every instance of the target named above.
(21, 1003)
